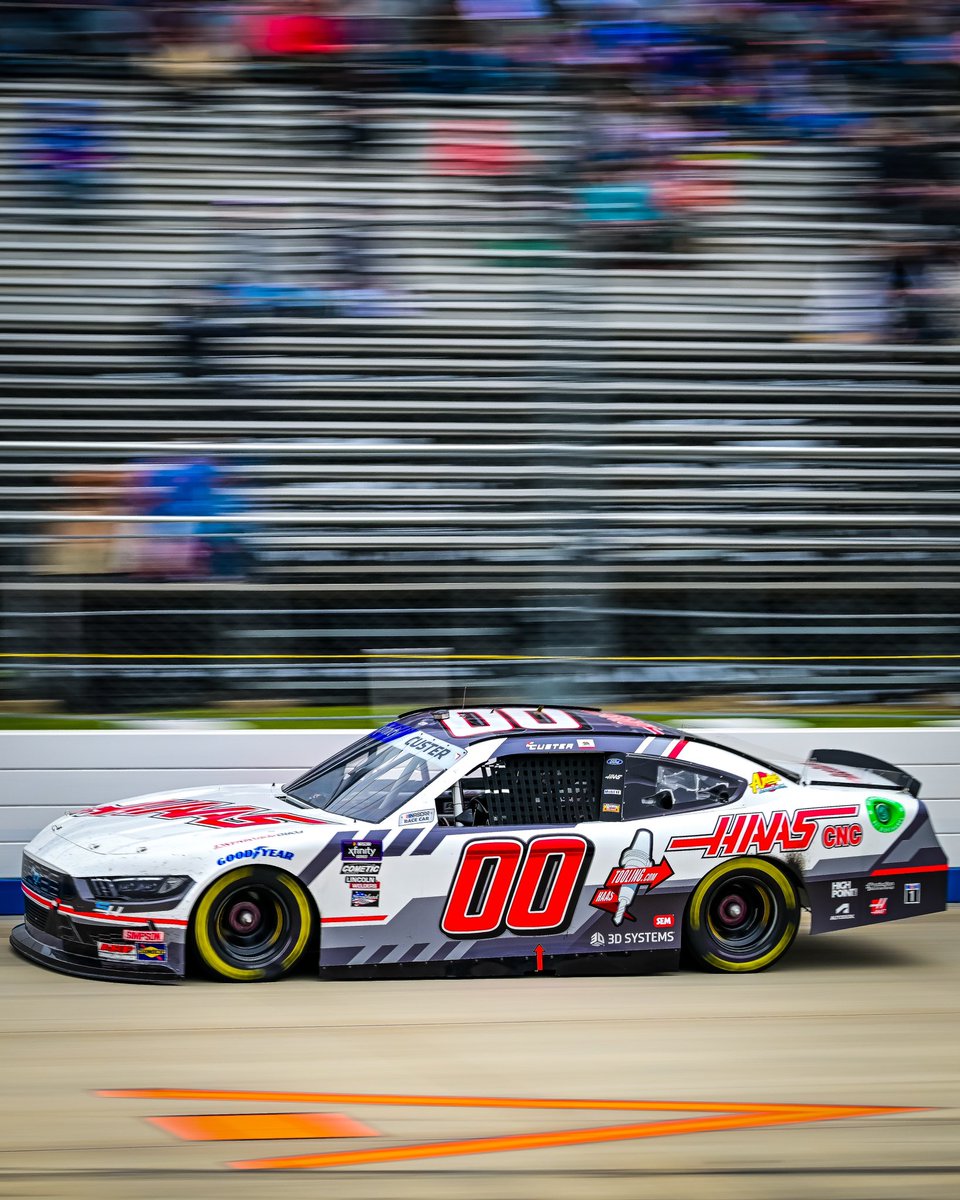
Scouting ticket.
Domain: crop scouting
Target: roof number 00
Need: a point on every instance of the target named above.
(467, 722)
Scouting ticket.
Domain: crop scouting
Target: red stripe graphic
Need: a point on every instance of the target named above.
(140, 919)
(677, 748)
(343, 920)
(909, 870)
(36, 899)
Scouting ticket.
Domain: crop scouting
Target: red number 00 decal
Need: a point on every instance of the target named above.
(501, 883)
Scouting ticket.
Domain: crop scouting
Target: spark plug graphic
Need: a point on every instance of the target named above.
(638, 854)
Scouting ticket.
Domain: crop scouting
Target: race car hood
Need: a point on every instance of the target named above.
(188, 816)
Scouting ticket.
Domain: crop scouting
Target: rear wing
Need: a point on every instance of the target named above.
(846, 768)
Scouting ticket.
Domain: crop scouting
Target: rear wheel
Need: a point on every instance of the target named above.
(252, 924)
(741, 917)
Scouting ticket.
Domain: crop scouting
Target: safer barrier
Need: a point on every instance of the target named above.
(44, 774)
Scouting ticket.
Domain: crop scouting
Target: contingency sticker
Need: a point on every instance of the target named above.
(151, 953)
(765, 781)
(886, 816)
(116, 950)
(361, 850)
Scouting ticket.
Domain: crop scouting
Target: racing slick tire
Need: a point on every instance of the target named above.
(252, 925)
(741, 917)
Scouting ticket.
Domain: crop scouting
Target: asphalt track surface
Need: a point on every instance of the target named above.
(862, 1018)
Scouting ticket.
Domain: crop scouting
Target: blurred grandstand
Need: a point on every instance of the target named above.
(407, 335)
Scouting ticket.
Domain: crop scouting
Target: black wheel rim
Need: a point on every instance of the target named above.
(253, 926)
(744, 916)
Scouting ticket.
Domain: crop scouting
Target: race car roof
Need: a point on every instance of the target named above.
(468, 725)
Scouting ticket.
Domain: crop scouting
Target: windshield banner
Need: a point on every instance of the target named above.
(430, 748)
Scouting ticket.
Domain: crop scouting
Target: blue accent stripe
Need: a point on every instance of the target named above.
(953, 885)
(11, 898)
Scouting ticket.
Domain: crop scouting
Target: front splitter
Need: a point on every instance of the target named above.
(59, 959)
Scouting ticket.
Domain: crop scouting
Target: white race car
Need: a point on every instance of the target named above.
(514, 832)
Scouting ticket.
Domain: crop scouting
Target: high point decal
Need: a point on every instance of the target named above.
(213, 814)
(756, 832)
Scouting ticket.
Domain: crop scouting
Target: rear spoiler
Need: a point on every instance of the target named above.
(846, 768)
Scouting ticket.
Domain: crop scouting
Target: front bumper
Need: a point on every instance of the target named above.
(58, 942)
(75, 959)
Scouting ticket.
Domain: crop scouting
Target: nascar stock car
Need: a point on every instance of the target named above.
(506, 833)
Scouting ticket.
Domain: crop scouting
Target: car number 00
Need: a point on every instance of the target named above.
(469, 721)
(504, 884)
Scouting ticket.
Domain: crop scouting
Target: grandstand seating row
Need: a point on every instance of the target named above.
(527, 422)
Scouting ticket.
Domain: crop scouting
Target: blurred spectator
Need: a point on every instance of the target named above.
(78, 547)
(619, 216)
(196, 545)
(191, 55)
(67, 152)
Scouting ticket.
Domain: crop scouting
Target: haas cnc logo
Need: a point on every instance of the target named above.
(762, 833)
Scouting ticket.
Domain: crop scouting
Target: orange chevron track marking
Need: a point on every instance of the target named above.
(245, 1127)
(728, 1116)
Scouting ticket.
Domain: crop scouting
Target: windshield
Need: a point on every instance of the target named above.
(373, 778)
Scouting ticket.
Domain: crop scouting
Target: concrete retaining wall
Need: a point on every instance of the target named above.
(44, 774)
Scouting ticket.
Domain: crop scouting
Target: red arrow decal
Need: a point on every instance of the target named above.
(647, 878)
(539, 958)
(656, 874)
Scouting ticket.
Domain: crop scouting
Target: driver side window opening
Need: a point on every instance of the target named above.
(540, 789)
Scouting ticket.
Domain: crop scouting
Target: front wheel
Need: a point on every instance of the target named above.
(252, 924)
(741, 917)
